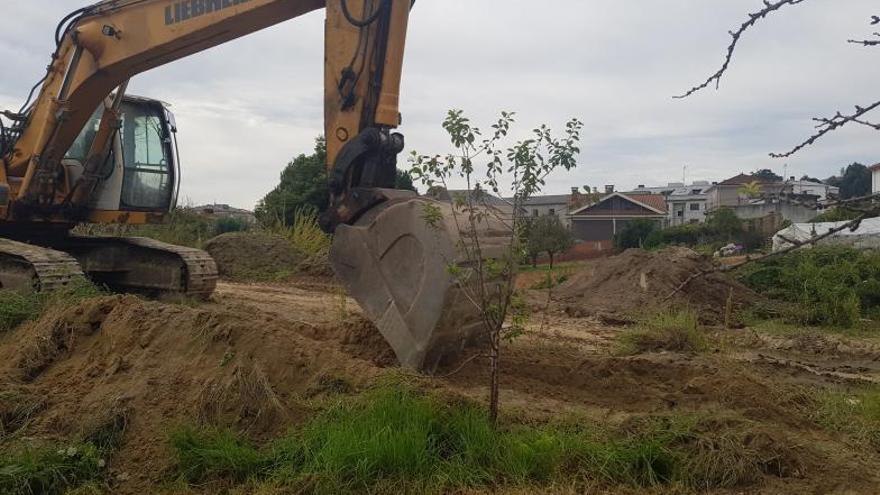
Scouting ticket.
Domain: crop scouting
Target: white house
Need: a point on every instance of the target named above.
(684, 203)
(875, 178)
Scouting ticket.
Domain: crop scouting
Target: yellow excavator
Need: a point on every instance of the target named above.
(82, 151)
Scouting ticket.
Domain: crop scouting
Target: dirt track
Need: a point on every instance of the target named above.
(251, 355)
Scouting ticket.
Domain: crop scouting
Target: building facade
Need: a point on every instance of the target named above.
(596, 224)
(685, 203)
(875, 178)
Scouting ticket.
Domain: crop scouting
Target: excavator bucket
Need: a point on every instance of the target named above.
(398, 262)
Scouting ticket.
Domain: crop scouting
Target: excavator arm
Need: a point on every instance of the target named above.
(100, 47)
(392, 261)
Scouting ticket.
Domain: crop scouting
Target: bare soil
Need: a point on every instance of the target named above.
(252, 356)
(252, 255)
(638, 281)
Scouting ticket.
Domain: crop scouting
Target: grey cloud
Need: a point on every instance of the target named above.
(245, 108)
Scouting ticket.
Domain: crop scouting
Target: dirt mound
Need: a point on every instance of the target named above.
(252, 255)
(162, 364)
(638, 280)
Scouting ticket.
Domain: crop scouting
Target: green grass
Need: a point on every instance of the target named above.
(856, 413)
(17, 307)
(669, 330)
(397, 440)
(50, 470)
(63, 468)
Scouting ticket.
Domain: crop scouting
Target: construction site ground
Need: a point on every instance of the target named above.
(254, 353)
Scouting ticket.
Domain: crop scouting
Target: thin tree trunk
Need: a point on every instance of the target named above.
(494, 362)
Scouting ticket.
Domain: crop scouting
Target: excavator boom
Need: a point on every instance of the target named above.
(383, 252)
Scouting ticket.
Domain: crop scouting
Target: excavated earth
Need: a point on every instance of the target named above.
(638, 280)
(252, 356)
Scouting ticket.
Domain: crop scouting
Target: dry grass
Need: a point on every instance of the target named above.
(670, 330)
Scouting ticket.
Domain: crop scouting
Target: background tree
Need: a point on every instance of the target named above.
(750, 190)
(548, 235)
(634, 233)
(853, 181)
(303, 186)
(489, 283)
(725, 223)
(766, 173)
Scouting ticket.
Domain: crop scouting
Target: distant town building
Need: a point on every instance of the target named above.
(685, 203)
(810, 189)
(875, 178)
(596, 224)
(754, 197)
(550, 205)
(217, 211)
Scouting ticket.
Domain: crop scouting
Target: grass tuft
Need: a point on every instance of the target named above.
(17, 307)
(49, 470)
(209, 453)
(670, 330)
(856, 413)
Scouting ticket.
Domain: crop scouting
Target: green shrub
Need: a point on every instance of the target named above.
(230, 224)
(833, 285)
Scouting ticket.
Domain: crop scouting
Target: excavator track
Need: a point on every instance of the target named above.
(28, 267)
(138, 264)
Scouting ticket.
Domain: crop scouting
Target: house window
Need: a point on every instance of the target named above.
(679, 213)
(696, 192)
(552, 212)
(535, 213)
(695, 206)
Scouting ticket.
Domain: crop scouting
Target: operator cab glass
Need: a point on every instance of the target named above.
(148, 150)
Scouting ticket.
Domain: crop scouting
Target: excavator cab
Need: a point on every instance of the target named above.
(141, 173)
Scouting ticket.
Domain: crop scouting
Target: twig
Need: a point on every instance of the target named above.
(461, 366)
(867, 42)
(752, 20)
(826, 125)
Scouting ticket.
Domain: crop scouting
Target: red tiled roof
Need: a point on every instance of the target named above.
(656, 201)
(744, 179)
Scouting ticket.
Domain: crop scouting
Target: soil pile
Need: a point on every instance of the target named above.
(638, 280)
(157, 365)
(257, 256)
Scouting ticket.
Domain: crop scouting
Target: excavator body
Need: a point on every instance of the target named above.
(84, 152)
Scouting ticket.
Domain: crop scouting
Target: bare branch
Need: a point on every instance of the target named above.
(769, 7)
(826, 125)
(866, 42)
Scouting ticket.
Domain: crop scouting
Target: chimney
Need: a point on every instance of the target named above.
(792, 178)
(575, 191)
(609, 189)
(641, 186)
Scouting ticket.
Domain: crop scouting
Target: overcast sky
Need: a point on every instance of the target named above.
(245, 108)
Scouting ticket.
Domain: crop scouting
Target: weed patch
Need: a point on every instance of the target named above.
(17, 307)
(830, 286)
(50, 470)
(671, 330)
(397, 440)
(855, 413)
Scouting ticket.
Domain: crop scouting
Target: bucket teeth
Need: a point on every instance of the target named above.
(398, 262)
